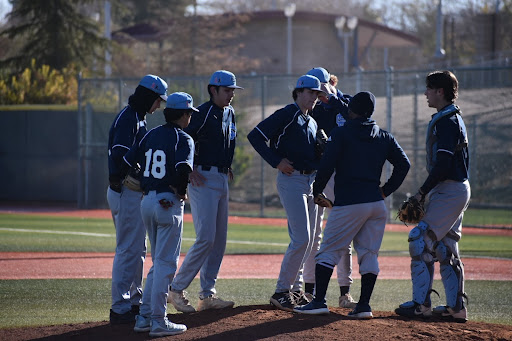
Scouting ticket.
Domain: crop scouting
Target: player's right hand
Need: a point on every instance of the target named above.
(196, 179)
(285, 166)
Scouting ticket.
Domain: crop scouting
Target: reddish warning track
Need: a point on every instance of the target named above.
(46, 265)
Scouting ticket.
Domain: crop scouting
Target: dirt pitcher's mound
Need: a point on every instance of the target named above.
(262, 322)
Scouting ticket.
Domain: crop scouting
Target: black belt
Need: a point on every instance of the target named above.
(307, 172)
(224, 170)
(116, 186)
(158, 191)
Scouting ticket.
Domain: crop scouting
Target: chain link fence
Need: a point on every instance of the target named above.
(485, 97)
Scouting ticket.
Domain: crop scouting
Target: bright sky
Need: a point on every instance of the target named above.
(5, 7)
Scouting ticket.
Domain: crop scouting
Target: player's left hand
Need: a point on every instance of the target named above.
(230, 174)
(419, 197)
(323, 201)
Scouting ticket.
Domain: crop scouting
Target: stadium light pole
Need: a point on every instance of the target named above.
(345, 27)
(108, 36)
(289, 12)
(440, 52)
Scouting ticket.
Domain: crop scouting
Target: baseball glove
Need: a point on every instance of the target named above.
(411, 211)
(132, 183)
(323, 201)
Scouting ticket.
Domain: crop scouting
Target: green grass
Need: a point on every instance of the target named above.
(472, 217)
(57, 301)
(484, 217)
(48, 302)
(59, 234)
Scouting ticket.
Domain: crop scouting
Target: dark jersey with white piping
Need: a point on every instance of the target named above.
(214, 132)
(291, 135)
(126, 130)
(160, 152)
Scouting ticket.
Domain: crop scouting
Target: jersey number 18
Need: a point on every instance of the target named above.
(157, 161)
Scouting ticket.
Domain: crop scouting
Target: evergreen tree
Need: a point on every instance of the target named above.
(54, 33)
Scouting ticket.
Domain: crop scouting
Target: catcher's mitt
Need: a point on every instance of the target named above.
(132, 183)
(411, 211)
(323, 201)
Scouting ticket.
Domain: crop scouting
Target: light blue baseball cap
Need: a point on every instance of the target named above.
(224, 78)
(180, 100)
(320, 73)
(155, 84)
(308, 82)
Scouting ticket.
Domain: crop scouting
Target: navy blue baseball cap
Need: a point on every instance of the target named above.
(320, 73)
(180, 100)
(224, 78)
(155, 84)
(308, 82)
(362, 104)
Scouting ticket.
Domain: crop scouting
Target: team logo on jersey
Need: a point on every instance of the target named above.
(165, 203)
(232, 131)
(340, 120)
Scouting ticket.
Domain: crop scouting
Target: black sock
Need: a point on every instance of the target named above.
(322, 277)
(309, 288)
(367, 284)
(344, 290)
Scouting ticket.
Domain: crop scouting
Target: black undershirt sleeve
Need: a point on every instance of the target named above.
(182, 172)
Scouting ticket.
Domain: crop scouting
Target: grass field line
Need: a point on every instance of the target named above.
(110, 235)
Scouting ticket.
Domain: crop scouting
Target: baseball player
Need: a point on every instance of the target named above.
(291, 132)
(357, 152)
(124, 199)
(328, 117)
(166, 155)
(213, 129)
(447, 191)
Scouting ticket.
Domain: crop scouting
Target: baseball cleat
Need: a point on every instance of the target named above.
(300, 298)
(445, 312)
(125, 318)
(142, 324)
(346, 301)
(313, 308)
(361, 311)
(165, 328)
(283, 301)
(413, 309)
(213, 302)
(180, 302)
(135, 309)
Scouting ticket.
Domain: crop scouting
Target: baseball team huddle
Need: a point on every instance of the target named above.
(329, 155)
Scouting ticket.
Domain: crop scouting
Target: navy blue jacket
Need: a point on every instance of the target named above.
(358, 151)
(214, 132)
(292, 135)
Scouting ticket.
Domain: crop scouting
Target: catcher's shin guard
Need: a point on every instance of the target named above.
(452, 275)
(422, 264)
